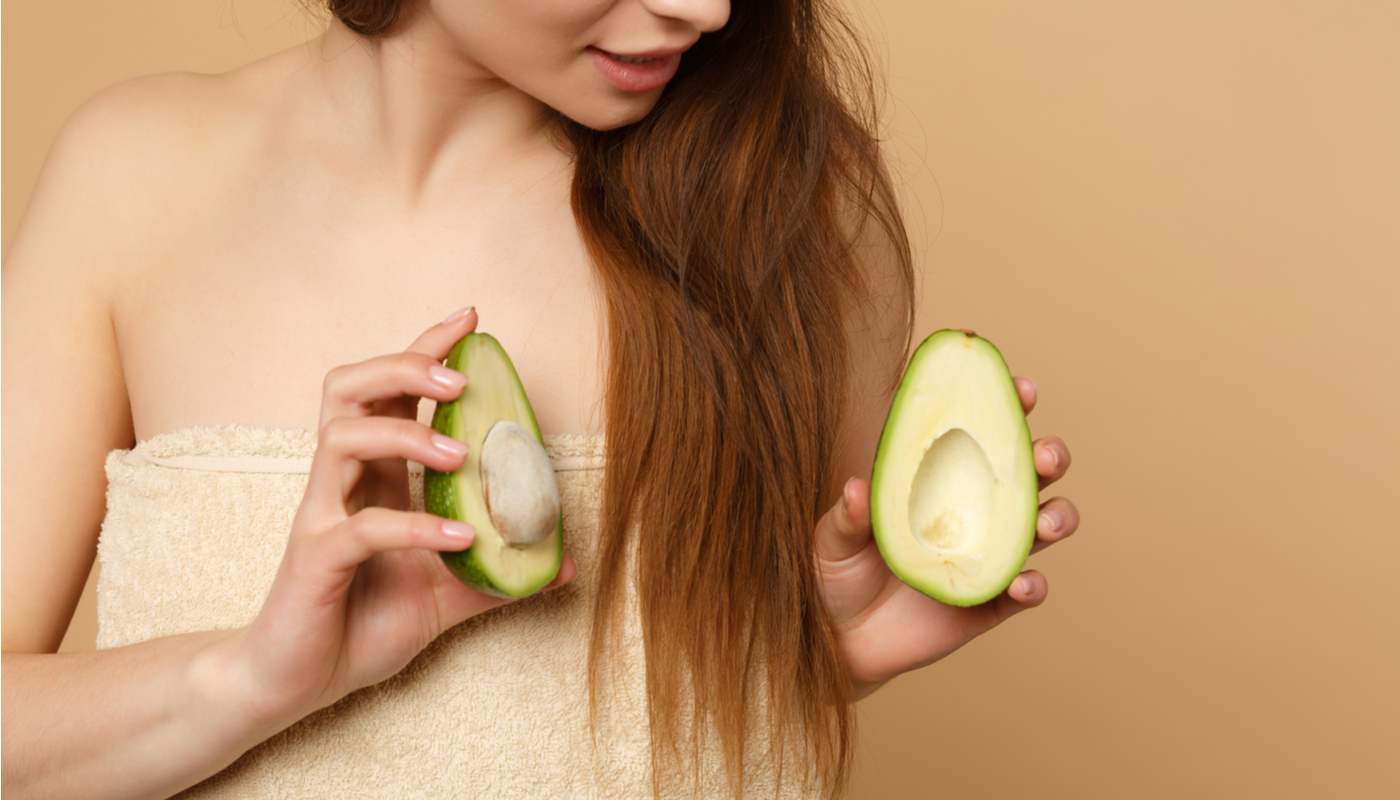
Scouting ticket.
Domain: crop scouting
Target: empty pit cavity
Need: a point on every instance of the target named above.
(950, 500)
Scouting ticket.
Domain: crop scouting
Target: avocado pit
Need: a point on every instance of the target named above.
(517, 482)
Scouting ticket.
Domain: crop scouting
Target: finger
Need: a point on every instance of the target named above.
(355, 390)
(845, 529)
(457, 601)
(1027, 591)
(1028, 392)
(1058, 520)
(1051, 459)
(568, 570)
(379, 530)
(437, 341)
(346, 442)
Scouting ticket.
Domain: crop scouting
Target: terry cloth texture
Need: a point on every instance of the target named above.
(497, 707)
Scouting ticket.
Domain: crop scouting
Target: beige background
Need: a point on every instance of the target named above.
(1183, 219)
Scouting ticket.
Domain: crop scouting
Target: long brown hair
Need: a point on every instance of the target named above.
(722, 228)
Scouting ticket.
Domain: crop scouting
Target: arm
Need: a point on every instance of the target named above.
(84, 717)
(884, 627)
(151, 719)
(141, 721)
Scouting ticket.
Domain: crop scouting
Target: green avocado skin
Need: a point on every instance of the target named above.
(440, 498)
(440, 492)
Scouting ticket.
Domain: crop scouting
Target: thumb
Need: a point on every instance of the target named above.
(845, 529)
(458, 602)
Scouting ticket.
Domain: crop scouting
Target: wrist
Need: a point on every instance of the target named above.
(223, 680)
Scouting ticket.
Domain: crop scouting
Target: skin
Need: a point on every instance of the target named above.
(340, 196)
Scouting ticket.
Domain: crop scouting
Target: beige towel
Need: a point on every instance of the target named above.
(496, 707)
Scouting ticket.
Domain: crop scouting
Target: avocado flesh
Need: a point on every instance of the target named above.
(954, 494)
(493, 394)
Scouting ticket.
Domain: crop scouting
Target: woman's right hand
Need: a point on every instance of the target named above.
(361, 589)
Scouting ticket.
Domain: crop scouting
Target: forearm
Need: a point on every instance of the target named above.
(141, 721)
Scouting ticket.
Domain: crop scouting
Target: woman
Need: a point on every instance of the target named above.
(673, 215)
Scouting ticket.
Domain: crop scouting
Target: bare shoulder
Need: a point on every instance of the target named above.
(119, 180)
(880, 315)
(174, 115)
(140, 151)
(139, 119)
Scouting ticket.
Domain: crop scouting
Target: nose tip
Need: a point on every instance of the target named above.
(716, 14)
(705, 15)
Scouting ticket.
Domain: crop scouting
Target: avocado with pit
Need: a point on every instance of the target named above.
(954, 492)
(506, 487)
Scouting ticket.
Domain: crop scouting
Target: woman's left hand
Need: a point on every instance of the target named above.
(883, 626)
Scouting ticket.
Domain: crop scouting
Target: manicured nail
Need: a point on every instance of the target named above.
(450, 378)
(449, 445)
(1052, 520)
(1024, 586)
(458, 530)
(458, 314)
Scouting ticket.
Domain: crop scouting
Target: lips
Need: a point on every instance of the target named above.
(639, 72)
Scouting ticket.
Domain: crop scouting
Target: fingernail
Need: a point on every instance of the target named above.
(457, 530)
(1024, 586)
(450, 378)
(1054, 457)
(1053, 520)
(458, 314)
(449, 445)
(846, 495)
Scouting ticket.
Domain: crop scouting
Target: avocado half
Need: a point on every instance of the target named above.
(954, 492)
(493, 395)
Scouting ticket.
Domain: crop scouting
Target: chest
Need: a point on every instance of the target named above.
(265, 287)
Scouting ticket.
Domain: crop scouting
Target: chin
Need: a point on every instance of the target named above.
(610, 113)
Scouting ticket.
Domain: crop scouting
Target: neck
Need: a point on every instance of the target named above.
(412, 104)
